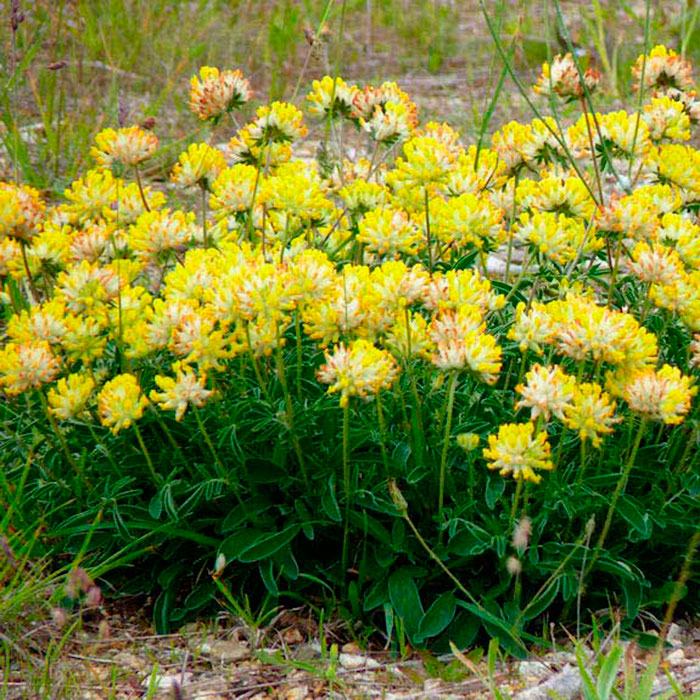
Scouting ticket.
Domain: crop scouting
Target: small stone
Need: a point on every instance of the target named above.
(225, 650)
(566, 684)
(130, 661)
(676, 657)
(432, 685)
(675, 635)
(167, 681)
(355, 661)
(533, 669)
(297, 693)
(292, 636)
(351, 648)
(306, 652)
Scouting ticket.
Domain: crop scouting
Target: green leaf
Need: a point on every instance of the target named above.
(155, 507)
(304, 516)
(405, 600)
(640, 522)
(266, 569)
(329, 502)
(495, 486)
(269, 543)
(377, 595)
(541, 602)
(161, 611)
(287, 563)
(438, 616)
(471, 541)
(608, 672)
(202, 594)
(371, 526)
(262, 471)
(242, 513)
(497, 627)
(233, 545)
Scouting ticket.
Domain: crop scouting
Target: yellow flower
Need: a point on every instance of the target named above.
(90, 196)
(425, 161)
(408, 340)
(69, 399)
(214, 92)
(388, 231)
(158, 232)
(184, 390)
(457, 287)
(360, 196)
(277, 123)
(533, 328)
(199, 165)
(518, 452)
(658, 263)
(120, 402)
(666, 119)
(466, 219)
(128, 146)
(393, 122)
(26, 366)
(358, 369)
(331, 95)
(660, 395)
(42, 322)
(591, 413)
(663, 69)
(562, 78)
(468, 441)
(556, 236)
(232, 191)
(21, 211)
(547, 391)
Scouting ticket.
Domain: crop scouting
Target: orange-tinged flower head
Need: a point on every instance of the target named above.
(186, 389)
(547, 391)
(214, 92)
(660, 395)
(127, 147)
(27, 366)
(562, 78)
(358, 369)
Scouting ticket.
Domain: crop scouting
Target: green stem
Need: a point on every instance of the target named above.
(427, 230)
(290, 412)
(382, 433)
(592, 145)
(140, 186)
(30, 279)
(616, 495)
(61, 439)
(205, 237)
(346, 484)
(579, 481)
(146, 454)
(451, 386)
(516, 501)
(297, 328)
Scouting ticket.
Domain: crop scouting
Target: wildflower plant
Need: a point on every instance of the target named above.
(325, 351)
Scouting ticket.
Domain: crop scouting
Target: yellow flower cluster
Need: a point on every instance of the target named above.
(381, 263)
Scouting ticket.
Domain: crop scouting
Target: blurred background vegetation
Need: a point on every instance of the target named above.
(130, 60)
